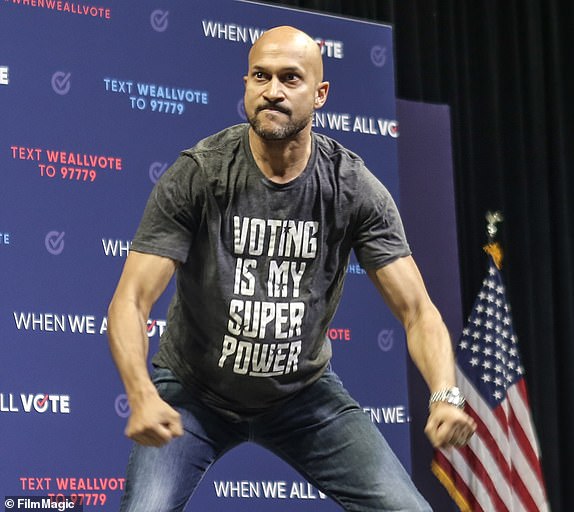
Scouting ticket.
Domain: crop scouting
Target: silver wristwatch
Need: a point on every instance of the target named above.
(451, 396)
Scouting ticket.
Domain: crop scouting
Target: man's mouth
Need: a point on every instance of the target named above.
(273, 108)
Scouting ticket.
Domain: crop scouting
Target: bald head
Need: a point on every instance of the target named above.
(284, 85)
(280, 40)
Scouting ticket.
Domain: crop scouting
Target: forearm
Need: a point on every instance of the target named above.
(129, 345)
(430, 348)
(152, 421)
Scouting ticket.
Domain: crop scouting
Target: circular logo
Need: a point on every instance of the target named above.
(159, 20)
(54, 242)
(61, 82)
(156, 170)
(122, 406)
(385, 340)
(379, 55)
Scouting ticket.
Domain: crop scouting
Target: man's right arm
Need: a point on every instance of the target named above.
(144, 278)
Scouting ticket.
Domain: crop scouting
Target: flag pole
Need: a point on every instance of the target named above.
(493, 247)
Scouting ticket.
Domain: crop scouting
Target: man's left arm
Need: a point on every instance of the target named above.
(429, 345)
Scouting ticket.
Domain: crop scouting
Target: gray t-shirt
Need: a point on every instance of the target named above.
(261, 264)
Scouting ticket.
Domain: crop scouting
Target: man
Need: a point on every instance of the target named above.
(257, 222)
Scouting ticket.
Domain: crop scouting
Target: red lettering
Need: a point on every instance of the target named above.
(339, 334)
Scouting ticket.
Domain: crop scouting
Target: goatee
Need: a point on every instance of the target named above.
(286, 131)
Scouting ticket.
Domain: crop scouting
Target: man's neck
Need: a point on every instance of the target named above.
(281, 160)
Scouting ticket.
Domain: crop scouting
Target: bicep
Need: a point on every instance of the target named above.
(401, 285)
(144, 278)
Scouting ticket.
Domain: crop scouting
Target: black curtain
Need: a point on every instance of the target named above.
(503, 67)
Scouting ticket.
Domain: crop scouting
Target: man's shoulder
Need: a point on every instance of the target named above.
(337, 160)
(331, 149)
(222, 141)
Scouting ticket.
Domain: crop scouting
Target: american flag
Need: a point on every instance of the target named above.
(499, 469)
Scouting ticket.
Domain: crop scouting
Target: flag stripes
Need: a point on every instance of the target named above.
(499, 470)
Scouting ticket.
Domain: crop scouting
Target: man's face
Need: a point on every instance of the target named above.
(281, 88)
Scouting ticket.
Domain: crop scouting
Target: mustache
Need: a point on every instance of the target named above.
(273, 106)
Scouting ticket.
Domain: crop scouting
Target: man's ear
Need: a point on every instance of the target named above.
(321, 94)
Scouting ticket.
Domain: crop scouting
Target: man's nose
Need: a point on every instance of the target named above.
(274, 90)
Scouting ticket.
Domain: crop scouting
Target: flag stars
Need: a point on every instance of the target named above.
(489, 341)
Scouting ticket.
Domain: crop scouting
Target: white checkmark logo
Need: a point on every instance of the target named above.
(55, 242)
(61, 82)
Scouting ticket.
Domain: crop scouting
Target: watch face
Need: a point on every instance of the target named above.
(451, 396)
(455, 398)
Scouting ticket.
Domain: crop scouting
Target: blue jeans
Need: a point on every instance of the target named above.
(321, 432)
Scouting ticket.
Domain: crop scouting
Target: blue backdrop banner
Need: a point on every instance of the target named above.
(97, 99)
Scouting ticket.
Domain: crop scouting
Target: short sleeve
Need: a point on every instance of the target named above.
(379, 235)
(172, 212)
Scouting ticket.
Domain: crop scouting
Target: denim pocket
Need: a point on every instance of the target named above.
(168, 386)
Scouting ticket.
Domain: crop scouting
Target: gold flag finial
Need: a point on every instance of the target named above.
(493, 247)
